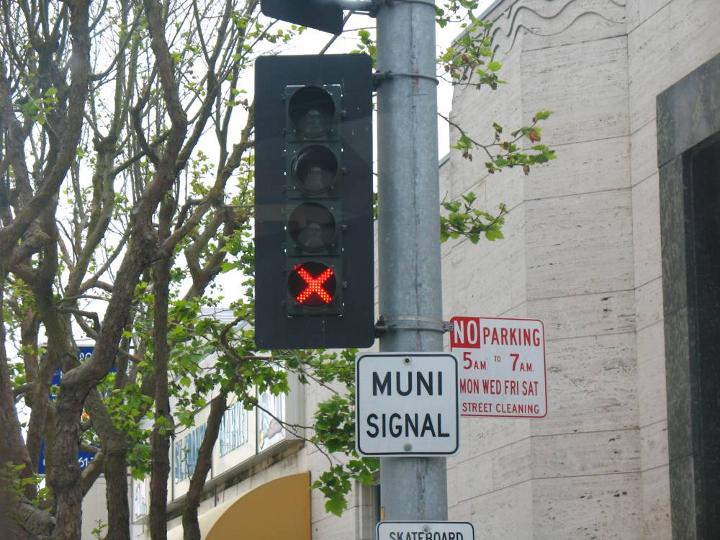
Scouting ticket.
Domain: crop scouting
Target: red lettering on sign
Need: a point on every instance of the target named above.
(465, 332)
(525, 337)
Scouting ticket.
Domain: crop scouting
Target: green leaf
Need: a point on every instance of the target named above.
(469, 197)
(494, 234)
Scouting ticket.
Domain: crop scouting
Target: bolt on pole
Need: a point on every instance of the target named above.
(409, 230)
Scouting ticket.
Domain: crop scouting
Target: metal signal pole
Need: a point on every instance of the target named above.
(409, 232)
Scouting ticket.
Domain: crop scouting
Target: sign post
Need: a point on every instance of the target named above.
(410, 284)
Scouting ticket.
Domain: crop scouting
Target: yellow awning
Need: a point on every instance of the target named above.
(278, 510)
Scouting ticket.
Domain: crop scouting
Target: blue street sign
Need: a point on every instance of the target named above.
(84, 458)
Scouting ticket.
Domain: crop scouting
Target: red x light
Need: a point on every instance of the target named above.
(312, 284)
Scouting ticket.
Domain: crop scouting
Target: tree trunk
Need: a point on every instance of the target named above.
(117, 492)
(191, 527)
(12, 449)
(163, 420)
(77, 383)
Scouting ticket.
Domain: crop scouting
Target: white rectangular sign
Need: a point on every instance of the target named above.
(425, 530)
(503, 366)
(406, 404)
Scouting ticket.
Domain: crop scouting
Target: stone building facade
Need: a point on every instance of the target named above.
(584, 252)
(612, 246)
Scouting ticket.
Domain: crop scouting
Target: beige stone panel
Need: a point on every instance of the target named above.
(548, 24)
(651, 374)
(483, 435)
(511, 464)
(507, 187)
(656, 504)
(649, 299)
(585, 167)
(591, 385)
(580, 454)
(585, 315)
(606, 507)
(638, 11)
(517, 312)
(671, 43)
(643, 152)
(580, 244)
(646, 230)
(469, 479)
(654, 445)
(584, 84)
(501, 458)
(500, 515)
(487, 278)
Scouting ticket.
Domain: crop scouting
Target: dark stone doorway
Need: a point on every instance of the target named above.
(689, 162)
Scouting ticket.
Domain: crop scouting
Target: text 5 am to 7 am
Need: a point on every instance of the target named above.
(502, 366)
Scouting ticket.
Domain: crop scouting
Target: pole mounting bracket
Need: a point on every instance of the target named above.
(361, 6)
(380, 76)
(410, 322)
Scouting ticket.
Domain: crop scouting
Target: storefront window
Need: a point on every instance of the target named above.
(233, 429)
(186, 453)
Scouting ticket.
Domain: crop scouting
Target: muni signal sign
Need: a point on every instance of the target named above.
(406, 404)
(313, 202)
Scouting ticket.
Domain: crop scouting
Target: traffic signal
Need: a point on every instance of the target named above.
(313, 202)
(318, 14)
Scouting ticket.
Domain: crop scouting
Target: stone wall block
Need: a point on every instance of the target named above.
(654, 448)
(484, 435)
(588, 507)
(646, 230)
(638, 11)
(579, 245)
(649, 303)
(686, 112)
(585, 315)
(643, 157)
(679, 394)
(535, 24)
(673, 42)
(656, 504)
(579, 454)
(652, 393)
(492, 274)
(683, 478)
(673, 235)
(590, 385)
(586, 167)
(505, 513)
(584, 84)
